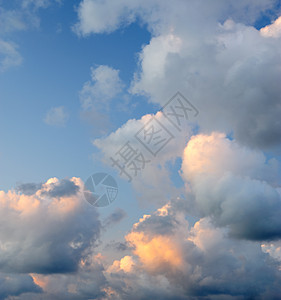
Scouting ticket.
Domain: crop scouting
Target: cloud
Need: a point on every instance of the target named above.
(99, 96)
(21, 17)
(36, 4)
(150, 175)
(185, 262)
(86, 283)
(47, 232)
(227, 68)
(169, 258)
(115, 217)
(104, 86)
(97, 17)
(56, 116)
(17, 284)
(273, 30)
(212, 54)
(234, 186)
(11, 20)
(273, 249)
(61, 188)
(9, 56)
(234, 90)
(92, 16)
(28, 188)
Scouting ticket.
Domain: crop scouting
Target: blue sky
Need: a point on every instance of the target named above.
(56, 63)
(78, 80)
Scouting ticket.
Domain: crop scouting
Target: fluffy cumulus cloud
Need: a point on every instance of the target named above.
(222, 240)
(43, 232)
(185, 261)
(45, 229)
(148, 173)
(169, 255)
(233, 185)
(230, 75)
(210, 52)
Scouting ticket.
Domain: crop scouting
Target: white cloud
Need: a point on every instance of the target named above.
(153, 69)
(11, 20)
(219, 61)
(101, 17)
(56, 116)
(152, 181)
(9, 56)
(39, 3)
(100, 95)
(104, 86)
(22, 17)
(228, 72)
(235, 186)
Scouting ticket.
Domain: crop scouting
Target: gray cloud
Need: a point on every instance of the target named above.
(42, 235)
(212, 54)
(17, 284)
(115, 217)
(28, 188)
(206, 256)
(231, 185)
(63, 188)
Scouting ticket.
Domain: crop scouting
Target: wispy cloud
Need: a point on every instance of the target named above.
(9, 55)
(56, 116)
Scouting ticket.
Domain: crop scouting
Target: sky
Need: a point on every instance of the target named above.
(175, 102)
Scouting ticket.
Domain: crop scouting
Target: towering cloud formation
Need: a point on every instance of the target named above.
(211, 53)
(186, 261)
(234, 186)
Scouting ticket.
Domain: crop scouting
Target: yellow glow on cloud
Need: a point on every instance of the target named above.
(22, 203)
(155, 252)
(163, 211)
(200, 153)
(273, 30)
(125, 264)
(40, 280)
(141, 220)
